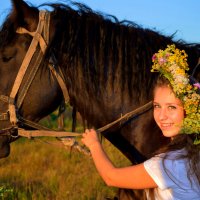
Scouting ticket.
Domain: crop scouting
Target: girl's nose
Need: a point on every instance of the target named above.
(163, 114)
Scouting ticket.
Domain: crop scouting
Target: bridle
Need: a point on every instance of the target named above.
(37, 49)
(41, 40)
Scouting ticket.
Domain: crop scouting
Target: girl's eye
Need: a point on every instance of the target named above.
(156, 106)
(172, 107)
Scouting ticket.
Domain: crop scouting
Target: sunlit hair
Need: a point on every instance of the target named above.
(161, 81)
(182, 141)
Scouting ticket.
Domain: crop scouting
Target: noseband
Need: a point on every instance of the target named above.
(41, 40)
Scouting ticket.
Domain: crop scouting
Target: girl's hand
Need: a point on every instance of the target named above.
(90, 138)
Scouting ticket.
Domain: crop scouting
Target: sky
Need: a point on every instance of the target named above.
(165, 16)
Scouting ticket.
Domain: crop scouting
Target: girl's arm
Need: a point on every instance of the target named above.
(133, 177)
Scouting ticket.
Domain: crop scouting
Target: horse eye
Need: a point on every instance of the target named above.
(6, 59)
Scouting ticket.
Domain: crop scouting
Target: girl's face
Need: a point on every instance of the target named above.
(168, 111)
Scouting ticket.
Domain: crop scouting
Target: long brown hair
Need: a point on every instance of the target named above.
(181, 141)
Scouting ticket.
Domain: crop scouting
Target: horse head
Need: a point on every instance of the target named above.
(34, 97)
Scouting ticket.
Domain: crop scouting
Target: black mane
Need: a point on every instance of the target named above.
(98, 42)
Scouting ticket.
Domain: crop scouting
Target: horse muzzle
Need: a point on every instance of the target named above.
(4, 146)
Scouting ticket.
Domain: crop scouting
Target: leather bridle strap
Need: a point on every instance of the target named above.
(120, 121)
(130, 115)
(37, 38)
(35, 63)
(45, 133)
(60, 81)
(4, 116)
(41, 37)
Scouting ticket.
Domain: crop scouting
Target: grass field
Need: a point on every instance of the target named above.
(46, 170)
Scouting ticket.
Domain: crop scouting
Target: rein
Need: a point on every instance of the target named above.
(121, 121)
(41, 39)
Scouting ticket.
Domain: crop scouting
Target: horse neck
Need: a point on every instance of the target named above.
(102, 81)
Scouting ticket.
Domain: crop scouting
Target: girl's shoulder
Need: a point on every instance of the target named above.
(170, 170)
(173, 155)
(172, 162)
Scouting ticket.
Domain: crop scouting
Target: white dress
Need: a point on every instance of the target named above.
(172, 180)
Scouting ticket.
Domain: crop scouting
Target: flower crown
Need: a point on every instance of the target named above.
(172, 64)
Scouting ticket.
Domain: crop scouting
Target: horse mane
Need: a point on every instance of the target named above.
(7, 32)
(100, 45)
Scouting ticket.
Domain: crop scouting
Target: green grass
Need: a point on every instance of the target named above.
(37, 170)
(46, 170)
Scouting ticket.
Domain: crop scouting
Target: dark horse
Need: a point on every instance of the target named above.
(106, 67)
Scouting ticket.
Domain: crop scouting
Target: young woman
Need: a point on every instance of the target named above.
(174, 172)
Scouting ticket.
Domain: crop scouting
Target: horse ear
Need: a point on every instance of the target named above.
(25, 15)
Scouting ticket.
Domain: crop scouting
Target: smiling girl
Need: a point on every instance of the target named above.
(168, 109)
(174, 172)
